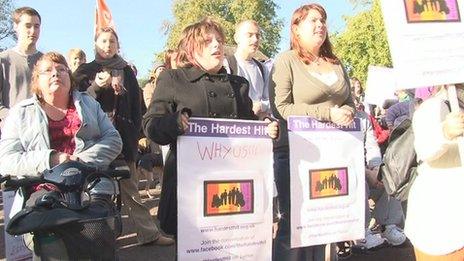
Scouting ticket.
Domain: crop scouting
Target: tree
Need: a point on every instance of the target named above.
(227, 13)
(143, 81)
(6, 22)
(364, 41)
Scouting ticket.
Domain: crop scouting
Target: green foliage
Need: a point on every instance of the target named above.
(6, 22)
(142, 82)
(364, 42)
(227, 13)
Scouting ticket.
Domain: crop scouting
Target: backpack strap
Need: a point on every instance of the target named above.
(261, 68)
(233, 66)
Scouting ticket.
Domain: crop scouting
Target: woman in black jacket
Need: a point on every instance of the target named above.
(200, 88)
(113, 84)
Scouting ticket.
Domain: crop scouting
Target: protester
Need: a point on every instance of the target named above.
(425, 92)
(404, 95)
(379, 122)
(16, 63)
(180, 94)
(400, 111)
(357, 93)
(150, 162)
(307, 80)
(248, 36)
(58, 111)
(381, 132)
(112, 81)
(149, 88)
(76, 57)
(387, 211)
(434, 221)
(45, 130)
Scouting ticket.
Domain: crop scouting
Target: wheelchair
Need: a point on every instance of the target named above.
(64, 216)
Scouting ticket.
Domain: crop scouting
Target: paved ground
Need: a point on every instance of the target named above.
(129, 250)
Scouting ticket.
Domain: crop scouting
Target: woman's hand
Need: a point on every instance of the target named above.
(275, 228)
(117, 84)
(257, 105)
(60, 157)
(143, 143)
(272, 128)
(341, 116)
(453, 125)
(184, 121)
(103, 79)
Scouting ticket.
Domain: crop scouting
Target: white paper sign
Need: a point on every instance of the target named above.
(225, 184)
(380, 85)
(327, 181)
(14, 245)
(426, 41)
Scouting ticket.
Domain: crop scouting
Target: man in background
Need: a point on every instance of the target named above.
(248, 37)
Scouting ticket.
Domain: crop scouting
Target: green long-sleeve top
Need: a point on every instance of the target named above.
(295, 91)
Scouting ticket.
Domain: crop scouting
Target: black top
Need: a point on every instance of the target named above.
(200, 94)
(128, 116)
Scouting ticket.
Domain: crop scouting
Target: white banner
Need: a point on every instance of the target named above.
(327, 182)
(15, 249)
(380, 85)
(225, 184)
(426, 41)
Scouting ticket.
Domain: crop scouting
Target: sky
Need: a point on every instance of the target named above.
(69, 24)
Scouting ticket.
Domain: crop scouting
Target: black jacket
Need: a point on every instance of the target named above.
(128, 105)
(200, 94)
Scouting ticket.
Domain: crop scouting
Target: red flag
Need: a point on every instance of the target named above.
(103, 17)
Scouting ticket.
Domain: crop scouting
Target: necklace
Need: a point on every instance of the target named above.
(317, 60)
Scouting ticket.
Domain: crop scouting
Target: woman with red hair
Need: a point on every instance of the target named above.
(307, 80)
(200, 87)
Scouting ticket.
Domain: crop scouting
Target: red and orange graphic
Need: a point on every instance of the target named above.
(325, 183)
(228, 197)
(420, 11)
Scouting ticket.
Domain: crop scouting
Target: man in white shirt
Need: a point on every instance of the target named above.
(248, 36)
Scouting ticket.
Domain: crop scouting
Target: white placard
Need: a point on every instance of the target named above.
(381, 85)
(426, 41)
(14, 245)
(225, 185)
(327, 180)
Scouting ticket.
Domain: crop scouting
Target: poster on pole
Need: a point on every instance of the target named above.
(225, 189)
(426, 41)
(380, 85)
(327, 178)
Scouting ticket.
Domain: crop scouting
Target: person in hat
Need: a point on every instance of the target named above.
(149, 88)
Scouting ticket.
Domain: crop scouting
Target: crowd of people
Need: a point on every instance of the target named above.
(54, 110)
